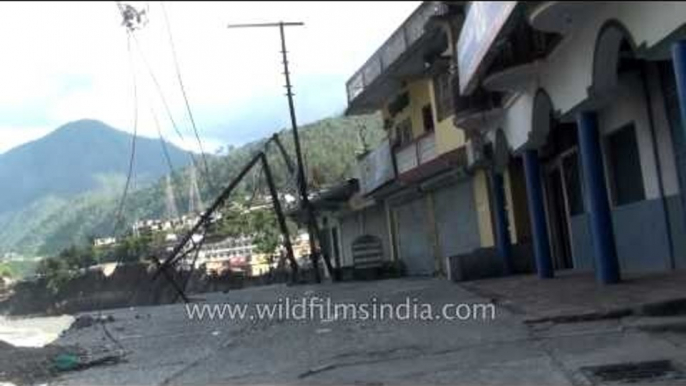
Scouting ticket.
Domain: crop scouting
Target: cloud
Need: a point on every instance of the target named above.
(67, 61)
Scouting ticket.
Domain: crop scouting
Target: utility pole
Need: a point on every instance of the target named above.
(313, 229)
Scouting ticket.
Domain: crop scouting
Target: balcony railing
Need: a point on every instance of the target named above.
(417, 153)
(409, 32)
(376, 168)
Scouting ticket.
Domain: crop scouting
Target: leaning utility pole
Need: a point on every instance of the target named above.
(313, 229)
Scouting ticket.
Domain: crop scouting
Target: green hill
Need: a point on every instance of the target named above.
(72, 213)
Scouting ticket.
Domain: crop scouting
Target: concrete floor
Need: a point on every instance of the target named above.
(576, 293)
(165, 347)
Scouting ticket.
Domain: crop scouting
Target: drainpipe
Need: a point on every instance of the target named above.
(658, 165)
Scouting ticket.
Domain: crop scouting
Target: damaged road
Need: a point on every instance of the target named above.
(164, 346)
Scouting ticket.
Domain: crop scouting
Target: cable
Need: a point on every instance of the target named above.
(185, 97)
(163, 143)
(132, 157)
(164, 149)
(158, 88)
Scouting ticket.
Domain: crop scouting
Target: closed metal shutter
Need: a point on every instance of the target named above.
(414, 246)
(456, 219)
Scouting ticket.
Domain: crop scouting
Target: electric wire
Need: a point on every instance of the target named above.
(120, 208)
(163, 99)
(185, 96)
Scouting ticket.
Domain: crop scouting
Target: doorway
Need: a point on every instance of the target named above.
(564, 199)
(558, 220)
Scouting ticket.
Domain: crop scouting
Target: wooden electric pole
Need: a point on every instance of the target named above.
(313, 228)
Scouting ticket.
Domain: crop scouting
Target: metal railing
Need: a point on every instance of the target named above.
(411, 30)
(417, 153)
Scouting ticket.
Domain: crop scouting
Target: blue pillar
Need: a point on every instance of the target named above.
(502, 234)
(600, 217)
(679, 63)
(539, 228)
(679, 60)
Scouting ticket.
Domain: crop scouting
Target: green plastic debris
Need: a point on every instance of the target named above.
(66, 362)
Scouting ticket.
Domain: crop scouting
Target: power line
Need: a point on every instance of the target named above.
(127, 13)
(163, 143)
(132, 157)
(158, 88)
(185, 97)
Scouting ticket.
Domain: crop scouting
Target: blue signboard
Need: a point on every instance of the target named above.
(484, 21)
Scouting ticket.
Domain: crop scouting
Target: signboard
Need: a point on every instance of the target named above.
(484, 21)
(376, 168)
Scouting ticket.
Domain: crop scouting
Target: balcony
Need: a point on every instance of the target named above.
(376, 168)
(402, 55)
(416, 154)
(472, 110)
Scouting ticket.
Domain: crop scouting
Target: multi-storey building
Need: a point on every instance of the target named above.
(521, 136)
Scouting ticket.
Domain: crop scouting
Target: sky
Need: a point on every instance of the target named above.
(64, 61)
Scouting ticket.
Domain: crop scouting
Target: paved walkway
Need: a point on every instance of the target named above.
(577, 294)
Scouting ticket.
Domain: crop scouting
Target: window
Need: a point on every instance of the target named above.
(443, 96)
(624, 163)
(404, 132)
(428, 119)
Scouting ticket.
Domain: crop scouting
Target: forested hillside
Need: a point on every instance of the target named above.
(53, 223)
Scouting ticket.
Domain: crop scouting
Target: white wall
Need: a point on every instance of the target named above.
(566, 74)
(670, 178)
(630, 106)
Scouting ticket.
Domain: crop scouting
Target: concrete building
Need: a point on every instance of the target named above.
(585, 96)
(234, 253)
(523, 129)
(104, 241)
(418, 197)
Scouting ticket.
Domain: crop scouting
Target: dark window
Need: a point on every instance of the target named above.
(398, 104)
(428, 119)
(443, 96)
(572, 178)
(624, 163)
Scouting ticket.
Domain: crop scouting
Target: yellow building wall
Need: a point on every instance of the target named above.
(419, 92)
(448, 137)
(483, 210)
(510, 206)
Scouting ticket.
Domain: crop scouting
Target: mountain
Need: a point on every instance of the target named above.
(52, 222)
(78, 157)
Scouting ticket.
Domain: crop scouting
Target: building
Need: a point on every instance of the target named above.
(585, 96)
(232, 253)
(524, 136)
(417, 196)
(150, 226)
(104, 241)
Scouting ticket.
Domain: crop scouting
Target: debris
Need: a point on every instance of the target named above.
(317, 370)
(71, 362)
(35, 365)
(66, 362)
(85, 321)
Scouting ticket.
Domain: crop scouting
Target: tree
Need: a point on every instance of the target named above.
(6, 271)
